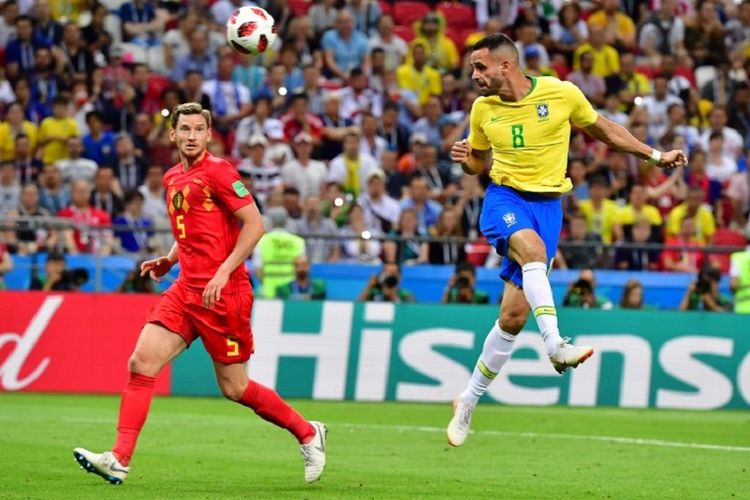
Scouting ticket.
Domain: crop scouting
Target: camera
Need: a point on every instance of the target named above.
(389, 281)
(463, 282)
(71, 279)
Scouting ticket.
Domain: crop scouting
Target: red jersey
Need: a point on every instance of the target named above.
(87, 241)
(201, 203)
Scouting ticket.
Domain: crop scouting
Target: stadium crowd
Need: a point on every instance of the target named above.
(343, 128)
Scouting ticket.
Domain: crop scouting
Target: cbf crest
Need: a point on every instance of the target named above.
(542, 111)
(509, 218)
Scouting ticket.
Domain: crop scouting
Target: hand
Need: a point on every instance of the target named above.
(461, 152)
(212, 292)
(156, 268)
(374, 280)
(673, 159)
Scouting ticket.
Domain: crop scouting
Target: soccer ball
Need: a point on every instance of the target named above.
(250, 30)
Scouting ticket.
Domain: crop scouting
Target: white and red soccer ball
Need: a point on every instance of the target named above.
(251, 30)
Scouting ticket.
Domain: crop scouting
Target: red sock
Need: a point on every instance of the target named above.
(269, 406)
(134, 406)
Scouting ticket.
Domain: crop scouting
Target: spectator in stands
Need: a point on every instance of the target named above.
(15, 125)
(628, 83)
(438, 176)
(311, 87)
(704, 35)
(619, 30)
(252, 125)
(719, 166)
(274, 257)
(8, 22)
(406, 251)
(694, 208)
(324, 249)
(677, 126)
(738, 192)
(344, 48)
(703, 294)
(292, 203)
(20, 52)
(371, 143)
(29, 236)
(447, 228)
(685, 259)
(665, 192)
(136, 238)
(103, 197)
(657, 105)
(380, 210)
(527, 40)
(33, 110)
(356, 97)
(395, 134)
(57, 277)
(600, 212)
(10, 189)
(135, 283)
(303, 287)
(461, 287)
(358, 242)
(95, 35)
(394, 47)
(570, 31)
(638, 208)
(129, 167)
(351, 168)
(140, 23)
(384, 286)
(300, 37)
(366, 15)
(289, 58)
(737, 30)
(299, 120)
(90, 235)
(632, 293)
(308, 176)
(739, 111)
(323, 15)
(582, 294)
(579, 249)
(663, 32)
(417, 76)
(441, 51)
(198, 58)
(613, 109)
(591, 85)
(637, 258)
(55, 131)
(98, 144)
(733, 141)
(739, 277)
(53, 195)
(152, 191)
(74, 59)
(28, 167)
(278, 151)
(606, 60)
(427, 210)
(195, 89)
(469, 205)
(230, 101)
(265, 174)
(175, 41)
(74, 166)
(429, 124)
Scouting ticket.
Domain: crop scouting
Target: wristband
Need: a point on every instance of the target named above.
(655, 157)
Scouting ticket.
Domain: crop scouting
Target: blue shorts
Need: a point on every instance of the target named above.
(506, 211)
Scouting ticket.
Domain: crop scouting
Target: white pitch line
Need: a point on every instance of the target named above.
(578, 437)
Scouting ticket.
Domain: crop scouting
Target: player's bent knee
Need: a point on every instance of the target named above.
(142, 364)
(232, 391)
(512, 322)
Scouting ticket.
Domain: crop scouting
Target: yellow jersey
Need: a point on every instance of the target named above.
(705, 224)
(424, 83)
(8, 139)
(529, 138)
(606, 59)
(602, 221)
(54, 133)
(627, 215)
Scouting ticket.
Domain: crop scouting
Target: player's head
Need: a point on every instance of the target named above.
(190, 129)
(493, 58)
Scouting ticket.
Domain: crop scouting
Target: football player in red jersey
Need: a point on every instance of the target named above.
(211, 299)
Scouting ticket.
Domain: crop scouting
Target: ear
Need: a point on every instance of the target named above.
(172, 135)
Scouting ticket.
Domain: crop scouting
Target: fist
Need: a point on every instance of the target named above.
(461, 151)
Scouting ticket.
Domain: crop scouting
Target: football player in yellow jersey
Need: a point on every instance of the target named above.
(520, 129)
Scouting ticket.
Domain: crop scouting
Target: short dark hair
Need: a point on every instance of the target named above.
(132, 195)
(496, 41)
(598, 180)
(62, 100)
(94, 114)
(291, 190)
(465, 266)
(390, 106)
(716, 135)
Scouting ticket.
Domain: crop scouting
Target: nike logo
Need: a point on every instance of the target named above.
(495, 119)
(117, 469)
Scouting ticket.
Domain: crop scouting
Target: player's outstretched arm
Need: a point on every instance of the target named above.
(473, 161)
(250, 234)
(616, 136)
(156, 268)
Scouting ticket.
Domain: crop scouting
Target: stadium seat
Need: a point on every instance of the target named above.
(405, 13)
(457, 15)
(405, 32)
(704, 74)
(726, 238)
(385, 8)
(457, 37)
(134, 53)
(299, 7)
(113, 25)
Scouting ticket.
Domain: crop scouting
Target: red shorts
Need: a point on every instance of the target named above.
(224, 329)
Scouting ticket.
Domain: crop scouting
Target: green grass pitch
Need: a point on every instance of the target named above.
(209, 448)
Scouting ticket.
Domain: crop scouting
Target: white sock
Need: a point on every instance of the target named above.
(538, 293)
(497, 348)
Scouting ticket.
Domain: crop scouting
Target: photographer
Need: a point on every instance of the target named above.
(582, 293)
(58, 278)
(460, 289)
(383, 287)
(703, 294)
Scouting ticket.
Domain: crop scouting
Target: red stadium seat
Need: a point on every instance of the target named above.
(457, 37)
(299, 7)
(458, 16)
(385, 8)
(405, 13)
(405, 32)
(726, 238)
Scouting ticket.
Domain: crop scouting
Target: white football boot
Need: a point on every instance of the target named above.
(569, 355)
(314, 453)
(102, 464)
(458, 427)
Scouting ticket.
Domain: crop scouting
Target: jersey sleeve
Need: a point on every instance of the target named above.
(582, 113)
(477, 138)
(229, 189)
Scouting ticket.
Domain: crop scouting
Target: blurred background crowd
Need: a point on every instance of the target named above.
(343, 128)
